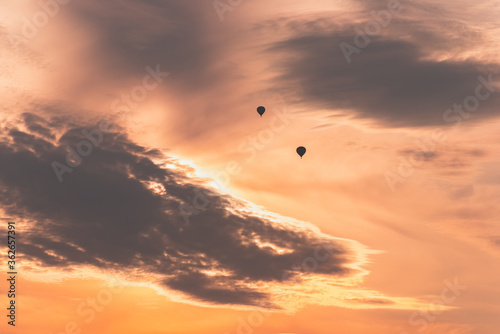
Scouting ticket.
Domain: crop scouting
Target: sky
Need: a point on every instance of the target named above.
(150, 197)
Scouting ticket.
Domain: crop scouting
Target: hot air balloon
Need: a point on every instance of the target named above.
(261, 110)
(301, 150)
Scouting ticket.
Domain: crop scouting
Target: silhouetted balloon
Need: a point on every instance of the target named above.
(301, 150)
(261, 110)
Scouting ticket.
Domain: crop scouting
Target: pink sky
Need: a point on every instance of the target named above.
(399, 180)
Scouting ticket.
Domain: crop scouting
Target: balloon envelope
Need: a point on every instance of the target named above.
(261, 110)
(301, 150)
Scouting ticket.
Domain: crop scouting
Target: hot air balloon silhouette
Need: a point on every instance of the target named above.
(301, 150)
(261, 110)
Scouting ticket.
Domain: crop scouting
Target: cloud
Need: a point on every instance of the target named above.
(129, 35)
(119, 210)
(375, 301)
(404, 77)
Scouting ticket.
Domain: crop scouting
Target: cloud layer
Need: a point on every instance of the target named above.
(390, 81)
(122, 208)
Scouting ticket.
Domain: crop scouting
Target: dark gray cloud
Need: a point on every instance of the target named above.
(105, 214)
(131, 35)
(396, 79)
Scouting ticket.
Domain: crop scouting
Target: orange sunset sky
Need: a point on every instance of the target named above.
(150, 197)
